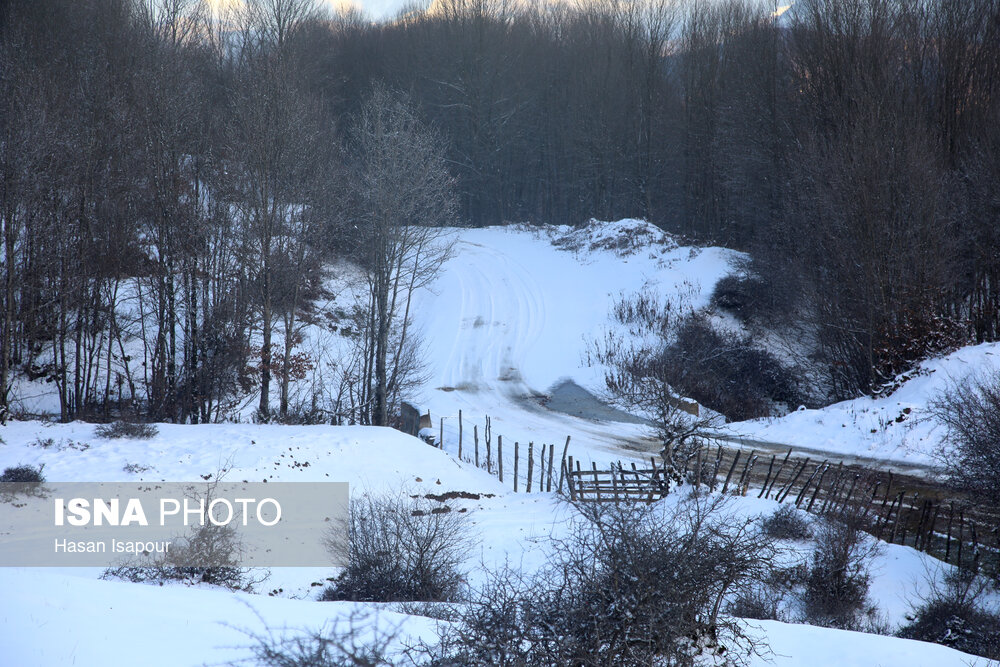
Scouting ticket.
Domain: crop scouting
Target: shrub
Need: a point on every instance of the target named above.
(760, 603)
(787, 523)
(401, 550)
(836, 588)
(744, 295)
(23, 474)
(971, 412)
(629, 586)
(218, 545)
(122, 429)
(955, 615)
(358, 640)
(209, 554)
(725, 372)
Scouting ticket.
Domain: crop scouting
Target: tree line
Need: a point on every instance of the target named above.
(179, 174)
(172, 187)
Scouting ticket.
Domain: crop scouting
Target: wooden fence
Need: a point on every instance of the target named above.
(899, 509)
(526, 467)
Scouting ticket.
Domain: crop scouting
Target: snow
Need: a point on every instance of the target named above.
(514, 311)
(899, 427)
(809, 645)
(509, 317)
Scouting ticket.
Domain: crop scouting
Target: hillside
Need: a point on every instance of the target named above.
(507, 319)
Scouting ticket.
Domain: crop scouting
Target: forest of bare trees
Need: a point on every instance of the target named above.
(179, 175)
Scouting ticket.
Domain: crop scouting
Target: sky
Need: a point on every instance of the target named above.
(377, 9)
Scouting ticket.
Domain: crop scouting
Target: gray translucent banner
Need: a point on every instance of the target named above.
(221, 524)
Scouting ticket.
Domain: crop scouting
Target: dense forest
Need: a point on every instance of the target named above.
(207, 161)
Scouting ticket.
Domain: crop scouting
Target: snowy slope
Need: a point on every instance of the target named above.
(514, 310)
(898, 427)
(508, 318)
(66, 616)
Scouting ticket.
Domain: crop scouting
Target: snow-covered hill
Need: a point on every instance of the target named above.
(509, 318)
(898, 427)
(53, 616)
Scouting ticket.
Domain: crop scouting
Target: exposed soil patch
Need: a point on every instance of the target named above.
(570, 398)
(452, 495)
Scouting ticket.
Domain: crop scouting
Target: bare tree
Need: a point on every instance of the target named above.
(277, 145)
(401, 197)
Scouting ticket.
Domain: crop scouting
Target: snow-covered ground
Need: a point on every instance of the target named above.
(898, 427)
(66, 616)
(514, 312)
(509, 317)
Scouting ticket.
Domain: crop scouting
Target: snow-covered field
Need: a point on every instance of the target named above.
(67, 616)
(508, 318)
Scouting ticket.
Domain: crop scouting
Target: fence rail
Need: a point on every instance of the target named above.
(897, 508)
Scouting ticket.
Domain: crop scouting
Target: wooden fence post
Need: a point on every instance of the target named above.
(924, 512)
(531, 463)
(784, 492)
(569, 480)
(961, 535)
(805, 487)
(488, 436)
(541, 469)
(441, 436)
(850, 492)
(770, 467)
(562, 471)
(475, 439)
(459, 435)
(819, 486)
(697, 470)
(652, 480)
(899, 511)
(751, 460)
(947, 543)
(500, 456)
(929, 538)
(715, 472)
(736, 459)
(834, 484)
(778, 474)
(548, 479)
(516, 459)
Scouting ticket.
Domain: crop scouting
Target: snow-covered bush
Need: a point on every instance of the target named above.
(217, 545)
(401, 550)
(23, 474)
(760, 603)
(971, 411)
(787, 523)
(208, 554)
(630, 585)
(727, 372)
(123, 429)
(744, 295)
(956, 615)
(836, 588)
(356, 641)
